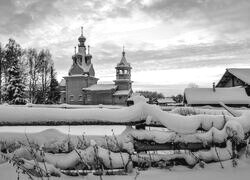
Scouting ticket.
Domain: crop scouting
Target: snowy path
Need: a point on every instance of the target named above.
(211, 171)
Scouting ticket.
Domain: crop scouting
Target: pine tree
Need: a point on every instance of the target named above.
(1, 68)
(54, 91)
(13, 90)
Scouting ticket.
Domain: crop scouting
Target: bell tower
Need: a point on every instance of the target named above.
(123, 74)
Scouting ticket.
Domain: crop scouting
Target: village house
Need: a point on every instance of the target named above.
(166, 101)
(233, 89)
(81, 87)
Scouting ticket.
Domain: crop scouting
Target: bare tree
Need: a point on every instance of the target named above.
(33, 69)
(192, 85)
(44, 66)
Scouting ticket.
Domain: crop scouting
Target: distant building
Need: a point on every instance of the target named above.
(80, 86)
(166, 101)
(233, 89)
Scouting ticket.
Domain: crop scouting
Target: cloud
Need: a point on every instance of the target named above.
(159, 35)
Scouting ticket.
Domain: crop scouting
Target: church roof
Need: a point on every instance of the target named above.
(232, 95)
(123, 61)
(86, 67)
(100, 87)
(122, 92)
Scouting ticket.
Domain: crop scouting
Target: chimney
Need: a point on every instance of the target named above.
(213, 86)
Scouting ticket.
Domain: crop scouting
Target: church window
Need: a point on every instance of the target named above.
(89, 97)
(71, 98)
(80, 98)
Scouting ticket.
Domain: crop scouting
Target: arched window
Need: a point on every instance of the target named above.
(71, 98)
(80, 98)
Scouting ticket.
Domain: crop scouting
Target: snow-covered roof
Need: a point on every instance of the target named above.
(100, 87)
(62, 83)
(166, 100)
(233, 95)
(241, 73)
(122, 92)
(86, 67)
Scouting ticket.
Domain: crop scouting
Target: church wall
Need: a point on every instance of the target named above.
(76, 70)
(74, 88)
(123, 85)
(121, 100)
(98, 97)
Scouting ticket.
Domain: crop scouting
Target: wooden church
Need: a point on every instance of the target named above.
(81, 87)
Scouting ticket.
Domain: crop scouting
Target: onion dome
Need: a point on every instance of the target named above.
(82, 39)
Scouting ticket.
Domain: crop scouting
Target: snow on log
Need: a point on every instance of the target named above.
(214, 154)
(13, 115)
(110, 160)
(30, 167)
(52, 140)
(86, 157)
(135, 114)
(186, 111)
(130, 140)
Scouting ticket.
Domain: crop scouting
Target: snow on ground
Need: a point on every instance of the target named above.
(211, 171)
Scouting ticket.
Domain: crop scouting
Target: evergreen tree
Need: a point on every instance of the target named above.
(151, 94)
(179, 98)
(54, 91)
(1, 68)
(13, 90)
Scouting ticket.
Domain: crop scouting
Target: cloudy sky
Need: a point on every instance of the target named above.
(170, 43)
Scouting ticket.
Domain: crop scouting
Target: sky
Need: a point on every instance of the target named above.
(169, 43)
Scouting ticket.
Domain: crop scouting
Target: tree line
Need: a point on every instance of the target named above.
(27, 75)
(153, 95)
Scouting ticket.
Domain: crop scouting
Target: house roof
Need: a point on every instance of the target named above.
(122, 92)
(166, 100)
(241, 73)
(100, 87)
(232, 95)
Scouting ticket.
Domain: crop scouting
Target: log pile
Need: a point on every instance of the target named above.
(193, 138)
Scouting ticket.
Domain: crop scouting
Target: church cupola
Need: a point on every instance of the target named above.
(123, 73)
(88, 57)
(82, 64)
(81, 39)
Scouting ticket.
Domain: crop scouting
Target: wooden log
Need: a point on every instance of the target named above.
(69, 123)
(142, 145)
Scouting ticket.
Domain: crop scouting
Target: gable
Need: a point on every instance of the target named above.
(75, 69)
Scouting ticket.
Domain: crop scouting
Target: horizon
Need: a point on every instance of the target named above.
(169, 44)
